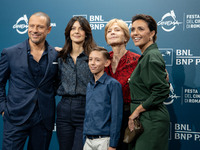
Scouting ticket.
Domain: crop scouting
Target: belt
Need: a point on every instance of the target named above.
(70, 97)
(137, 101)
(91, 137)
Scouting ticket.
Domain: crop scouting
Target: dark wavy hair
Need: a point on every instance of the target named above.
(89, 43)
(150, 22)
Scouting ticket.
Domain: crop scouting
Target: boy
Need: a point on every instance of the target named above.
(104, 105)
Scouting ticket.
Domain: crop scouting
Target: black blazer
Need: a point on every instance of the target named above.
(19, 102)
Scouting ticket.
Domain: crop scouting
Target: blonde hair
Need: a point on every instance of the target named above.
(122, 25)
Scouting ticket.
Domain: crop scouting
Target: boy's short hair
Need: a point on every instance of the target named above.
(104, 51)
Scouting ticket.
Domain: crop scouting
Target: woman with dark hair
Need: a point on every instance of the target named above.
(74, 75)
(149, 87)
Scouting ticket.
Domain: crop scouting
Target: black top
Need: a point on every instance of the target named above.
(73, 77)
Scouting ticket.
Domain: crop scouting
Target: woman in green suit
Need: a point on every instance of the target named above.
(149, 87)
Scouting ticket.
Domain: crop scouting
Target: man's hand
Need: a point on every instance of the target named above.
(2, 114)
(58, 49)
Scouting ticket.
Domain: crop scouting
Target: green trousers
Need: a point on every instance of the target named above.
(156, 129)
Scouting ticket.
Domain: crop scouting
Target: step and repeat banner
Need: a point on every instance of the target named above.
(178, 40)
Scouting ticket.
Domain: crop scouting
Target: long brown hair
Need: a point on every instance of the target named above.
(89, 43)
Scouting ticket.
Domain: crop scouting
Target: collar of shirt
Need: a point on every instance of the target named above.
(124, 57)
(82, 56)
(152, 46)
(101, 79)
(29, 49)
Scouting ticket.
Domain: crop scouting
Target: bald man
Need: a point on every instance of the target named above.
(28, 108)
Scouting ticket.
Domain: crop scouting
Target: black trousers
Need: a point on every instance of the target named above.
(121, 144)
(14, 137)
(69, 123)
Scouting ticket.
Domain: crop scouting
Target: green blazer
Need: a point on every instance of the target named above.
(148, 86)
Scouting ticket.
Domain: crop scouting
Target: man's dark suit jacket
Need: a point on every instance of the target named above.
(18, 104)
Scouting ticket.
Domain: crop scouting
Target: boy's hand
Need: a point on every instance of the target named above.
(2, 114)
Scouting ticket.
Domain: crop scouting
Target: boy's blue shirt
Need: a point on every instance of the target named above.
(104, 108)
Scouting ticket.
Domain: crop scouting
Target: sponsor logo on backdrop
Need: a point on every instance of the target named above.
(188, 96)
(184, 132)
(191, 95)
(185, 57)
(85, 16)
(97, 22)
(172, 96)
(21, 25)
(169, 21)
(167, 54)
(192, 21)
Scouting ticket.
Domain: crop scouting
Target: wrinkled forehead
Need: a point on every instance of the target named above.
(34, 19)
